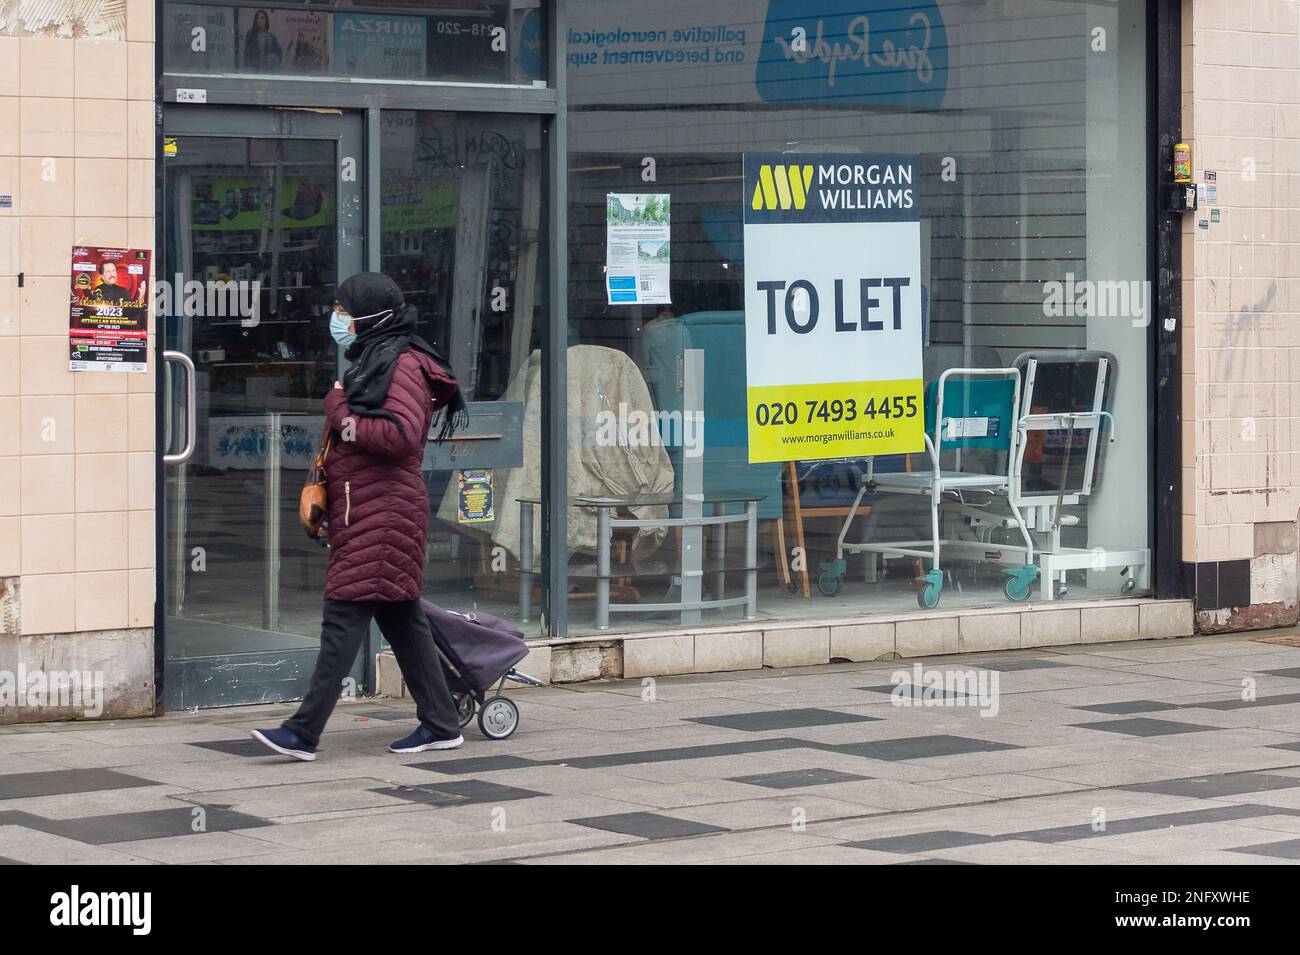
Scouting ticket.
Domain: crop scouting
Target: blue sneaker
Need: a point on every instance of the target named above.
(286, 742)
(423, 740)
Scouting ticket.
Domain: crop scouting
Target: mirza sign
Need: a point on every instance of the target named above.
(832, 306)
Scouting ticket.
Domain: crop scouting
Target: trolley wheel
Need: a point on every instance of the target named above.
(1128, 586)
(828, 582)
(929, 586)
(498, 718)
(927, 597)
(1017, 589)
(464, 707)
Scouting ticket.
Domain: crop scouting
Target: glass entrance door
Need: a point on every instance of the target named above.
(264, 213)
(262, 216)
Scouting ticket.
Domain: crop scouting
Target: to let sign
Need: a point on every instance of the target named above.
(832, 306)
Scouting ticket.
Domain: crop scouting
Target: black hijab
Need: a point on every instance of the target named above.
(385, 326)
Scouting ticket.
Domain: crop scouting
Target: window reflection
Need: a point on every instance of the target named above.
(483, 41)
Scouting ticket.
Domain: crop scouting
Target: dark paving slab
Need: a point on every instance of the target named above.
(916, 691)
(475, 764)
(1011, 666)
(798, 778)
(935, 862)
(63, 782)
(1127, 706)
(928, 841)
(1192, 817)
(1293, 747)
(1212, 787)
(1276, 850)
(1291, 672)
(425, 795)
(1141, 726)
(1279, 699)
(923, 841)
(918, 747)
(134, 826)
(647, 825)
(458, 792)
(234, 747)
(670, 754)
(480, 790)
(764, 720)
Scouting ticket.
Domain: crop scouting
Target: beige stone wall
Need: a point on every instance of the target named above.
(76, 449)
(1241, 291)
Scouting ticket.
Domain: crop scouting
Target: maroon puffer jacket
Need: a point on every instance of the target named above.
(378, 502)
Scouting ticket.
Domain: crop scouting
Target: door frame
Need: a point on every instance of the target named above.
(549, 101)
(346, 130)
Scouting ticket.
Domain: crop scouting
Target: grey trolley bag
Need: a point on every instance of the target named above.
(479, 653)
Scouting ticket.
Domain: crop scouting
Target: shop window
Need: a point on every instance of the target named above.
(460, 223)
(1022, 119)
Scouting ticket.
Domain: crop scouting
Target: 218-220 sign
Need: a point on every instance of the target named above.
(834, 410)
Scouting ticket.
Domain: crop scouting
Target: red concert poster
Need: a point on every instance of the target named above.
(109, 310)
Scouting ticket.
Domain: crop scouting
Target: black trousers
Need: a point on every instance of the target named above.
(343, 630)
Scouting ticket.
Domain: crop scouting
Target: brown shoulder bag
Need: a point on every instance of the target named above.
(313, 501)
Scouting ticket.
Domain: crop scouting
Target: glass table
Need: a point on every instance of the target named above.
(694, 564)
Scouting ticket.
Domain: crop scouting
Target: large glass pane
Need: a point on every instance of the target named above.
(476, 41)
(461, 206)
(1021, 117)
(250, 264)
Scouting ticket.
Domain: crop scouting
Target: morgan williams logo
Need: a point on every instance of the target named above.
(782, 187)
(833, 187)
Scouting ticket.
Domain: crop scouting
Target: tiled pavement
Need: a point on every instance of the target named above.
(1182, 751)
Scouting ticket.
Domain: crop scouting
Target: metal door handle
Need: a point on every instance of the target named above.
(191, 404)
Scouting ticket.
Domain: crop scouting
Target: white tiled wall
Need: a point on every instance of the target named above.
(76, 449)
(1241, 288)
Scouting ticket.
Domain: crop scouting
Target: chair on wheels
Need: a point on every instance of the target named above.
(1056, 464)
(969, 412)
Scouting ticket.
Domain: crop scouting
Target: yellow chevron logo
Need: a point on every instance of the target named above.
(781, 187)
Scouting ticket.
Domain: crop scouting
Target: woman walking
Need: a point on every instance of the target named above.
(378, 506)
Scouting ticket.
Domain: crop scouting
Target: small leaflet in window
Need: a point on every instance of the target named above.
(637, 248)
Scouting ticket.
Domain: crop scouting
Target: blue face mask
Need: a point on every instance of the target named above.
(339, 329)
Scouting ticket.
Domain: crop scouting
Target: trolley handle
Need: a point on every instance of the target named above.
(1068, 420)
